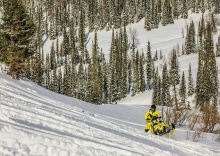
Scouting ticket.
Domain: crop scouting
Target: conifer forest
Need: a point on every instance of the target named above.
(69, 68)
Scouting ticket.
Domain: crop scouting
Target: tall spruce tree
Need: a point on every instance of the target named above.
(182, 90)
(218, 47)
(165, 88)
(184, 10)
(155, 88)
(16, 37)
(190, 82)
(149, 66)
(148, 14)
(207, 85)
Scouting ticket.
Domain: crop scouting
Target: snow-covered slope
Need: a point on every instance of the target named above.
(35, 121)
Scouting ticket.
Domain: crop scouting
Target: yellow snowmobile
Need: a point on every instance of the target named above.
(159, 127)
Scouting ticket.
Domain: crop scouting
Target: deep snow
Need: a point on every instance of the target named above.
(35, 121)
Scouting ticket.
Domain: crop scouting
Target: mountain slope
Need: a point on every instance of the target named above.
(35, 121)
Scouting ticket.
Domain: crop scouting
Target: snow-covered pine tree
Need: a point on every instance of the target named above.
(140, 10)
(156, 56)
(193, 6)
(190, 45)
(197, 6)
(149, 66)
(60, 82)
(170, 15)
(183, 49)
(148, 14)
(153, 15)
(174, 67)
(165, 13)
(202, 3)
(155, 88)
(66, 78)
(46, 77)
(184, 10)
(80, 82)
(16, 36)
(81, 35)
(66, 43)
(176, 9)
(136, 72)
(124, 62)
(207, 85)
(161, 56)
(182, 89)
(159, 100)
(165, 88)
(217, 7)
(37, 68)
(142, 73)
(52, 57)
(213, 23)
(218, 47)
(95, 98)
(190, 82)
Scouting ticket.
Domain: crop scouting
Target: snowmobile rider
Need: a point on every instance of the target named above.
(152, 112)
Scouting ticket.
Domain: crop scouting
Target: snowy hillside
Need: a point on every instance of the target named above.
(35, 121)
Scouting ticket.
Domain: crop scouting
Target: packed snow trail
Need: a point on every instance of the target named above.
(35, 121)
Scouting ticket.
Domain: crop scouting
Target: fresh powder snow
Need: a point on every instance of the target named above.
(36, 121)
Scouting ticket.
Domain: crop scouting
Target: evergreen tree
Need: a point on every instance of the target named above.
(190, 45)
(66, 78)
(52, 57)
(149, 66)
(213, 23)
(60, 82)
(16, 36)
(184, 10)
(182, 90)
(165, 89)
(207, 86)
(66, 44)
(190, 82)
(165, 13)
(161, 56)
(174, 67)
(81, 82)
(95, 97)
(52, 31)
(155, 88)
(218, 47)
(125, 62)
(175, 9)
(217, 7)
(156, 56)
(81, 34)
(142, 74)
(202, 6)
(159, 100)
(148, 14)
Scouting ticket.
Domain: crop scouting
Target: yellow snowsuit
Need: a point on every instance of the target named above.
(148, 117)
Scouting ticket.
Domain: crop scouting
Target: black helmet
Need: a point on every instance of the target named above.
(153, 107)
